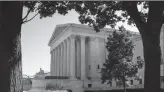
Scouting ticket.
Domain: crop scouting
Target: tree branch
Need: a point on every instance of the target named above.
(30, 19)
(131, 8)
(28, 12)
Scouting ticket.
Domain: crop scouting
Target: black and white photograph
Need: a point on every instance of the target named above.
(81, 46)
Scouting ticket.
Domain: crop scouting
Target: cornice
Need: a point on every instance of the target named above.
(91, 28)
(103, 31)
(56, 34)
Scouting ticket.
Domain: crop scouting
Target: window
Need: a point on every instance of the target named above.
(89, 85)
(118, 83)
(89, 78)
(89, 67)
(98, 67)
(131, 82)
(110, 84)
(162, 78)
(140, 81)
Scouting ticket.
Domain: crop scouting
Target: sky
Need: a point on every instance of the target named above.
(35, 37)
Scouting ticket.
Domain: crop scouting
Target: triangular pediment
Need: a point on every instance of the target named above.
(59, 29)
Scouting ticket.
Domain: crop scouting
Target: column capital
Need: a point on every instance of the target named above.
(59, 46)
(55, 49)
(51, 51)
(93, 38)
(82, 37)
(62, 43)
(72, 36)
(65, 40)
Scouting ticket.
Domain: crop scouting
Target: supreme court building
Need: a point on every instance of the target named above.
(78, 53)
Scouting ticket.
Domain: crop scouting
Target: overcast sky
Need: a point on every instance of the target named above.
(35, 37)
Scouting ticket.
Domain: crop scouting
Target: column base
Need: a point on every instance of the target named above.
(84, 79)
(73, 78)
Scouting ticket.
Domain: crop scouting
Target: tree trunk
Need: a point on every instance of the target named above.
(151, 46)
(152, 56)
(124, 85)
(150, 33)
(10, 47)
(123, 81)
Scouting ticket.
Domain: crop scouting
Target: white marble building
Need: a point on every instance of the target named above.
(78, 52)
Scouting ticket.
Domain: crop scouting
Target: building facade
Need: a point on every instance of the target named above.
(78, 53)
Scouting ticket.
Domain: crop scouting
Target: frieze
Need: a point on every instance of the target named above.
(92, 38)
(101, 39)
(97, 38)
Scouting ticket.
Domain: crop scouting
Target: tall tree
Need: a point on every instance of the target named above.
(10, 38)
(119, 64)
(10, 47)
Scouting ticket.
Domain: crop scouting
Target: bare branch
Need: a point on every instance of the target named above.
(28, 12)
(30, 19)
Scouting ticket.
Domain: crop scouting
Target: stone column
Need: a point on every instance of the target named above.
(72, 57)
(83, 64)
(58, 61)
(64, 58)
(55, 61)
(77, 57)
(53, 57)
(51, 64)
(55, 65)
(61, 65)
(68, 56)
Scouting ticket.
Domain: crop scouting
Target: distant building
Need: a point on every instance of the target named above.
(41, 74)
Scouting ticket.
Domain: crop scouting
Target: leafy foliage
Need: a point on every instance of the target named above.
(45, 8)
(96, 14)
(119, 64)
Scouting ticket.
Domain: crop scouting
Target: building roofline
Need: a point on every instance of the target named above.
(79, 26)
(73, 25)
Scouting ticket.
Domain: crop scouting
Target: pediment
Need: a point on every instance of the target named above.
(58, 30)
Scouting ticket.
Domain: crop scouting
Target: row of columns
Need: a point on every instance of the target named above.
(63, 58)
